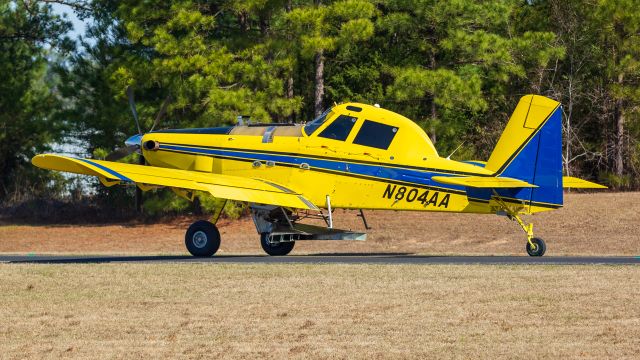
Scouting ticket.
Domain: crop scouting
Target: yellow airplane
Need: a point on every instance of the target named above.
(353, 156)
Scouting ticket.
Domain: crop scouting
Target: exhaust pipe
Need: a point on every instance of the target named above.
(151, 145)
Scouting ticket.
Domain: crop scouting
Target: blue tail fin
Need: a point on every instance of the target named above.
(530, 149)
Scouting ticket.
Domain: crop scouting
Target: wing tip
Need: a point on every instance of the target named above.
(577, 183)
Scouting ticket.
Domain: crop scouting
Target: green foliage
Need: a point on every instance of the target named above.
(455, 67)
(214, 65)
(164, 202)
(232, 209)
(30, 35)
(456, 60)
(615, 181)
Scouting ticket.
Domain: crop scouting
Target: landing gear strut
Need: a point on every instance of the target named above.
(280, 228)
(535, 246)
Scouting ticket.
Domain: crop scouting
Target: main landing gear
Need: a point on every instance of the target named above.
(202, 239)
(279, 229)
(277, 245)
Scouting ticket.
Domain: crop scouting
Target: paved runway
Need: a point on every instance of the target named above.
(398, 258)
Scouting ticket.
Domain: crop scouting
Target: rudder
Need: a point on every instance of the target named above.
(530, 149)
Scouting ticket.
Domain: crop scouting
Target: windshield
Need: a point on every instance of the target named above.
(315, 124)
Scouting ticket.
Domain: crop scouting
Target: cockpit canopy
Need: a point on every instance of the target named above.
(372, 127)
(367, 128)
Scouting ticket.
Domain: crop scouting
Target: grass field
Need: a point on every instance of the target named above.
(318, 311)
(589, 224)
(331, 311)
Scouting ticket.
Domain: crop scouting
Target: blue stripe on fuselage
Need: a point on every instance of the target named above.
(419, 178)
(392, 174)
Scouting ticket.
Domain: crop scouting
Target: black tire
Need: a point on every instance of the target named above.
(539, 249)
(275, 249)
(202, 239)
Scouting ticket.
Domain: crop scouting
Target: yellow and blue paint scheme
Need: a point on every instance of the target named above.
(356, 156)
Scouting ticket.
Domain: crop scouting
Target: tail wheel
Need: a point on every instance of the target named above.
(277, 247)
(536, 247)
(202, 239)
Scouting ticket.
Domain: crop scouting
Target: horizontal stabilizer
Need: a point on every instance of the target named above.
(573, 182)
(220, 186)
(483, 182)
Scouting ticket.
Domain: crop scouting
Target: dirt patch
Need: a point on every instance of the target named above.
(589, 224)
(318, 311)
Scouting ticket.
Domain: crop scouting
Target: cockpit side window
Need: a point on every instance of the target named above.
(315, 124)
(339, 129)
(375, 134)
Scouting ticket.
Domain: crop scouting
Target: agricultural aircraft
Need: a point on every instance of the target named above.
(353, 156)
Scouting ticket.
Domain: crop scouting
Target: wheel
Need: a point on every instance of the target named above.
(275, 249)
(538, 249)
(202, 238)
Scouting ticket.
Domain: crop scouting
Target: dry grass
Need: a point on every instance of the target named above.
(589, 224)
(318, 311)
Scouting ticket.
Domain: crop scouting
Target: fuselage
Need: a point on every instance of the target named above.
(357, 156)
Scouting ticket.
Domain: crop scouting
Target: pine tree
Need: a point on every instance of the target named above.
(324, 29)
(30, 37)
(453, 61)
(620, 35)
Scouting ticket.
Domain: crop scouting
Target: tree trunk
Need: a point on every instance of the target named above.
(141, 161)
(619, 163)
(568, 133)
(265, 27)
(434, 113)
(290, 87)
(288, 8)
(243, 20)
(292, 115)
(319, 91)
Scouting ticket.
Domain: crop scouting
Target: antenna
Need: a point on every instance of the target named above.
(454, 151)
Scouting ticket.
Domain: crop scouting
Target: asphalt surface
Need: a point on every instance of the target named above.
(364, 258)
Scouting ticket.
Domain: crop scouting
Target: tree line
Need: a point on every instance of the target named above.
(455, 67)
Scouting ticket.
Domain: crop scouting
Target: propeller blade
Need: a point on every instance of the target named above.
(161, 113)
(132, 104)
(121, 152)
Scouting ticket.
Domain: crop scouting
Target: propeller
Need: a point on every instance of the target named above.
(119, 153)
(162, 112)
(132, 105)
(133, 143)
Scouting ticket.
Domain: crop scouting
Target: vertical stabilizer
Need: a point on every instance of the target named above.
(530, 149)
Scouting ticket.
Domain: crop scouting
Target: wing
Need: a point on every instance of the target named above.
(483, 182)
(572, 182)
(220, 186)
